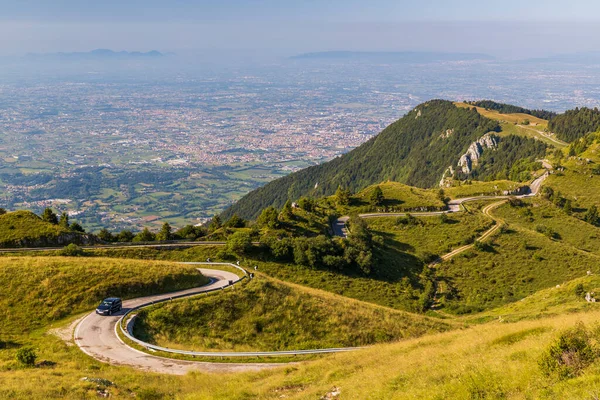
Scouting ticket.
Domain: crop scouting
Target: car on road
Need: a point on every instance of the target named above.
(109, 306)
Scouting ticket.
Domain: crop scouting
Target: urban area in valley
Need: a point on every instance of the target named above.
(126, 150)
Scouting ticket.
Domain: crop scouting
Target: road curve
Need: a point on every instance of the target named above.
(96, 336)
(339, 225)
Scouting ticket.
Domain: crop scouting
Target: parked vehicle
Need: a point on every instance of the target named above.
(109, 306)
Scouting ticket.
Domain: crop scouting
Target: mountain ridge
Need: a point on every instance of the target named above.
(415, 150)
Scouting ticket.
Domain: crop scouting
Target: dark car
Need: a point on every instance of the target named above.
(109, 306)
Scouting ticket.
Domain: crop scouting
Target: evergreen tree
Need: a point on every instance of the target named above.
(306, 204)
(342, 196)
(376, 198)
(165, 233)
(268, 218)
(105, 235)
(144, 236)
(49, 216)
(215, 224)
(76, 227)
(125, 236)
(235, 222)
(286, 212)
(64, 220)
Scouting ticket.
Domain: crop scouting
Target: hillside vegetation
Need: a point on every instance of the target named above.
(575, 124)
(428, 237)
(413, 150)
(39, 290)
(510, 109)
(269, 315)
(517, 263)
(25, 229)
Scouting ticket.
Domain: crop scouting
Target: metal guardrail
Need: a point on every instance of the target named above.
(127, 330)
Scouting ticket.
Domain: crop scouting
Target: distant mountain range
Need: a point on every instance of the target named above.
(99, 54)
(394, 57)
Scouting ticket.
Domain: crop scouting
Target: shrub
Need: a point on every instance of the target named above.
(408, 220)
(570, 354)
(72, 250)
(26, 356)
(239, 243)
(480, 246)
(579, 290)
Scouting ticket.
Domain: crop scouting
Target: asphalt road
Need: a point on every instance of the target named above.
(339, 225)
(96, 336)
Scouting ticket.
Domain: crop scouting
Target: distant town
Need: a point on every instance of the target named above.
(127, 152)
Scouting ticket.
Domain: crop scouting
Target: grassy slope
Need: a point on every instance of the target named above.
(511, 124)
(36, 291)
(476, 188)
(518, 263)
(398, 197)
(551, 302)
(269, 315)
(24, 226)
(578, 182)
(572, 231)
(431, 235)
(495, 360)
(396, 282)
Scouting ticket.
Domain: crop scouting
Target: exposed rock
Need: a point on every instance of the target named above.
(59, 240)
(521, 190)
(447, 134)
(590, 298)
(471, 157)
(447, 176)
(334, 393)
(418, 114)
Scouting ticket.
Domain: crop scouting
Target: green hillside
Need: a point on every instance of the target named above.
(510, 109)
(39, 290)
(25, 229)
(415, 150)
(268, 315)
(574, 124)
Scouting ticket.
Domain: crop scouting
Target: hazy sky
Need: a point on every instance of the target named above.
(507, 28)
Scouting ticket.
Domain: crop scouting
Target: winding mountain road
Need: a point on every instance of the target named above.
(339, 225)
(96, 335)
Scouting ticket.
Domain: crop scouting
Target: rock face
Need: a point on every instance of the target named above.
(446, 180)
(471, 157)
(60, 240)
(521, 190)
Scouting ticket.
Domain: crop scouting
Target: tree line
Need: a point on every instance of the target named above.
(510, 109)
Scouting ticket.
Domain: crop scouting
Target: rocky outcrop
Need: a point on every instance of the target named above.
(521, 190)
(446, 180)
(62, 239)
(471, 158)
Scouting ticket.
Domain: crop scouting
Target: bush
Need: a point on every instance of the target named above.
(408, 220)
(239, 243)
(72, 250)
(26, 356)
(570, 354)
(579, 290)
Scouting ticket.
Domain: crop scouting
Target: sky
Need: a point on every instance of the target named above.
(507, 29)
